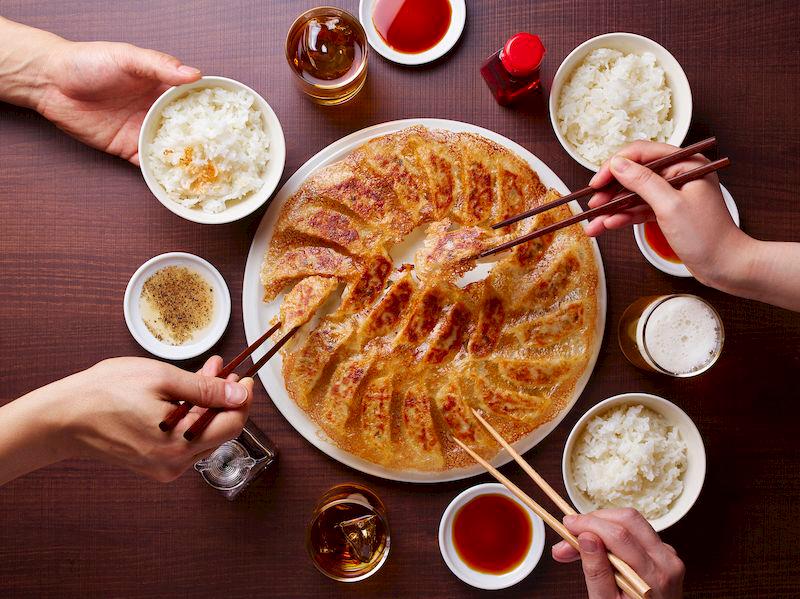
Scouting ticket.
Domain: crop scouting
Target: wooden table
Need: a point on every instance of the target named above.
(77, 223)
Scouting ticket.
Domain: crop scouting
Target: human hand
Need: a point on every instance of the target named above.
(630, 537)
(112, 410)
(694, 219)
(99, 92)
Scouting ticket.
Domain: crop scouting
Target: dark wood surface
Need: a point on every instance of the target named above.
(77, 223)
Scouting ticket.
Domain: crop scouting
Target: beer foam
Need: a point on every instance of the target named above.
(682, 335)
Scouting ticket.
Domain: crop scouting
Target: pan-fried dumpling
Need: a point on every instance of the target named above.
(418, 429)
(393, 372)
(304, 299)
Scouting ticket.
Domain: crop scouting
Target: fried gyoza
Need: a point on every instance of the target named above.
(393, 373)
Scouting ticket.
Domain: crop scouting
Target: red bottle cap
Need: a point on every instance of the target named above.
(522, 54)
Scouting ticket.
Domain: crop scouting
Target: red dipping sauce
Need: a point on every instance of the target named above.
(412, 26)
(656, 240)
(492, 534)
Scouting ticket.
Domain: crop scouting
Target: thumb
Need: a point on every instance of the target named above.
(152, 64)
(641, 180)
(206, 391)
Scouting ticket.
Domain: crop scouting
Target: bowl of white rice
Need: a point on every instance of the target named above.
(638, 451)
(211, 151)
(615, 89)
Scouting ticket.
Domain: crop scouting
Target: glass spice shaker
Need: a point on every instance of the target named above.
(513, 71)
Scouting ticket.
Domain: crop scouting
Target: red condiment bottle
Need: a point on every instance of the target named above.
(513, 71)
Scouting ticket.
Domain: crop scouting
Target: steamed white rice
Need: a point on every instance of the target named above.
(630, 456)
(211, 147)
(612, 99)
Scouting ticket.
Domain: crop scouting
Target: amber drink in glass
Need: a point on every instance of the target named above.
(348, 536)
(327, 51)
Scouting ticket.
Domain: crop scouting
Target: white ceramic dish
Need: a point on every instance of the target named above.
(628, 43)
(472, 577)
(457, 20)
(238, 208)
(257, 315)
(672, 268)
(695, 454)
(208, 337)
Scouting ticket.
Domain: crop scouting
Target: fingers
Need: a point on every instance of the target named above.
(664, 555)
(564, 553)
(648, 185)
(597, 570)
(607, 222)
(638, 151)
(202, 390)
(619, 540)
(152, 64)
(212, 366)
(227, 424)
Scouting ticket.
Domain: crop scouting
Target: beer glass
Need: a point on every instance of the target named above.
(680, 335)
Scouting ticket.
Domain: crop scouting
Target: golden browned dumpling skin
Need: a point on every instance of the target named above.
(392, 374)
(304, 300)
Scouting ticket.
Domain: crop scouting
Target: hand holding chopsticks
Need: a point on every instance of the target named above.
(205, 419)
(619, 203)
(626, 578)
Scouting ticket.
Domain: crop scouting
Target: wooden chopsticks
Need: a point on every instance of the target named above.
(627, 579)
(206, 417)
(618, 204)
(664, 161)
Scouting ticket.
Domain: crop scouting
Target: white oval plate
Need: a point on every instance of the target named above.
(673, 268)
(220, 318)
(481, 580)
(457, 20)
(257, 315)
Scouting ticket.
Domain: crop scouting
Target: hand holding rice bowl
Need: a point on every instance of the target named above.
(635, 450)
(614, 89)
(211, 151)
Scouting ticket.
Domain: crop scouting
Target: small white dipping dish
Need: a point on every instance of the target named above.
(627, 43)
(695, 454)
(472, 577)
(236, 209)
(673, 268)
(457, 19)
(211, 334)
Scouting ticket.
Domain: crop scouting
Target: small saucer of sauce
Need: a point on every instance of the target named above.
(177, 306)
(412, 32)
(489, 539)
(412, 26)
(492, 533)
